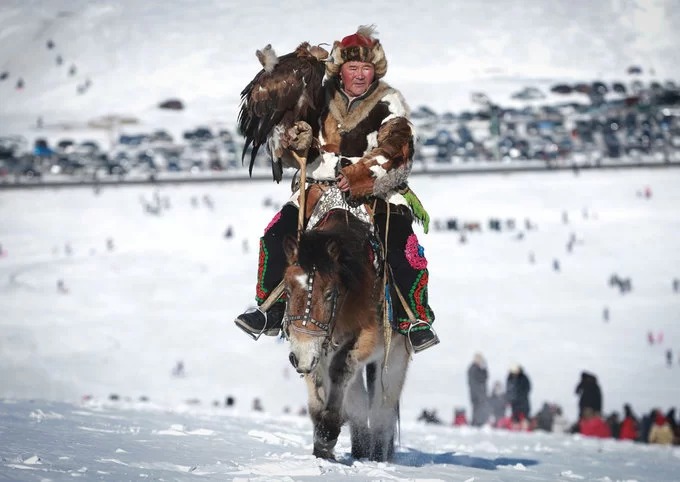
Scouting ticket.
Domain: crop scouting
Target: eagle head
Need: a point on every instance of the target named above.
(267, 58)
(307, 50)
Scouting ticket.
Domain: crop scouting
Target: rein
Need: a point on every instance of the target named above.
(325, 327)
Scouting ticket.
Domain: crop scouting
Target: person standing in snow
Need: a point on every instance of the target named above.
(477, 376)
(660, 431)
(629, 425)
(497, 403)
(518, 387)
(590, 394)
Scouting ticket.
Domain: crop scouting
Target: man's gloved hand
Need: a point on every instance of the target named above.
(298, 138)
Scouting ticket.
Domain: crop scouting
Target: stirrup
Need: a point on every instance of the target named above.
(255, 335)
(432, 342)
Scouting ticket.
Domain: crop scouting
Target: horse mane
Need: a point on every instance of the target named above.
(352, 237)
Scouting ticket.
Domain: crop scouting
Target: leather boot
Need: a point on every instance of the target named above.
(256, 323)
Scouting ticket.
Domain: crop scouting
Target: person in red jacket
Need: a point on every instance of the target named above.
(629, 426)
(592, 425)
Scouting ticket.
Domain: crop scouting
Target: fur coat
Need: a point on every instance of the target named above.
(369, 138)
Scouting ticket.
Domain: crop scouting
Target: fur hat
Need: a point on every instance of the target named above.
(360, 46)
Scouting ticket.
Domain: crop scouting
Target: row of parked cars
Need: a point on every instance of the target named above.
(638, 127)
(200, 149)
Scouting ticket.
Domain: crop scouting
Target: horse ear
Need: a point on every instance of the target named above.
(333, 249)
(290, 247)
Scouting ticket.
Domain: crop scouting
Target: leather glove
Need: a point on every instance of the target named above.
(298, 137)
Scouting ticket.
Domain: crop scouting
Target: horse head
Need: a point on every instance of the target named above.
(326, 266)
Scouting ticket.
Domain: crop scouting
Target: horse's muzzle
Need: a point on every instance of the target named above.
(302, 369)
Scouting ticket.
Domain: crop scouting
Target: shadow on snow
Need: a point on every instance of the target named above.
(416, 458)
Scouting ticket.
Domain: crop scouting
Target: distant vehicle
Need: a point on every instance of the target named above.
(66, 145)
(161, 135)
(655, 86)
(630, 122)
(635, 145)
(466, 116)
(511, 148)
(619, 88)
(13, 146)
(448, 117)
(115, 169)
(464, 135)
(584, 130)
(545, 149)
(599, 87)
(25, 166)
(225, 135)
(561, 89)
(198, 134)
(480, 98)
(89, 147)
(203, 133)
(423, 112)
(172, 104)
(529, 93)
(582, 88)
(637, 86)
(634, 70)
(146, 159)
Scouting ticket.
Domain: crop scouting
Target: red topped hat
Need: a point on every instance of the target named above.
(358, 40)
(361, 46)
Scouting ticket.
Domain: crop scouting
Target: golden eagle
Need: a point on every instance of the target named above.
(287, 90)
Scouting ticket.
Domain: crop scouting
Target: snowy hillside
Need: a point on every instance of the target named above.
(136, 54)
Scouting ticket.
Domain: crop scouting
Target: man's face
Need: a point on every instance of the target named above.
(356, 77)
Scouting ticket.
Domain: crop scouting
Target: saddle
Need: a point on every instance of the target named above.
(322, 198)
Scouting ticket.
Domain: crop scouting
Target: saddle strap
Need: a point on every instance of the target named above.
(387, 326)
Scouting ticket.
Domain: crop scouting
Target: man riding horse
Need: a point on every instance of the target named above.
(364, 144)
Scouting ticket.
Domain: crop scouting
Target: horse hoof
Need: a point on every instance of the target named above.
(324, 454)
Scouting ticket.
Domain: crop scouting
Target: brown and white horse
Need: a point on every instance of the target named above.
(334, 324)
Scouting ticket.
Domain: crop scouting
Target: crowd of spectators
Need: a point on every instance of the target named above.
(510, 409)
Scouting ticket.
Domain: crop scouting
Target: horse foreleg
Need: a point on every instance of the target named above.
(325, 436)
(327, 407)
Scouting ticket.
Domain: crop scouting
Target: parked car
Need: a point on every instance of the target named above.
(66, 145)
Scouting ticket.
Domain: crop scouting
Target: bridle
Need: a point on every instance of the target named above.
(325, 327)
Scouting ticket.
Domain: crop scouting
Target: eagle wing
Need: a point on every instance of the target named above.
(275, 99)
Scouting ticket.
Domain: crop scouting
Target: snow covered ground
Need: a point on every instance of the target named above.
(51, 441)
(169, 289)
(170, 286)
